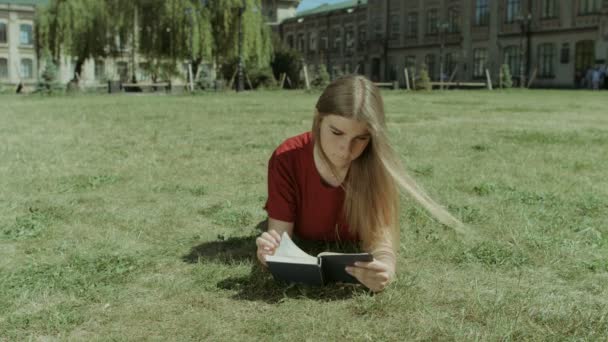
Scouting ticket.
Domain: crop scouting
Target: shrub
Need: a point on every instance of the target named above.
(289, 62)
(506, 78)
(262, 78)
(424, 82)
(48, 80)
(320, 77)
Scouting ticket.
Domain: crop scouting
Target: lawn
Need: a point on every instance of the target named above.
(135, 217)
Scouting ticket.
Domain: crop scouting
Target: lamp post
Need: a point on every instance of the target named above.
(442, 26)
(240, 85)
(524, 28)
(188, 11)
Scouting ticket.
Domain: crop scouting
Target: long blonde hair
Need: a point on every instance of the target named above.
(371, 202)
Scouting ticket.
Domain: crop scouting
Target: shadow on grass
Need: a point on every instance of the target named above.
(259, 284)
(227, 251)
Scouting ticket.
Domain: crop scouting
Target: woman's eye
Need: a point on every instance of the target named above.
(336, 133)
(363, 138)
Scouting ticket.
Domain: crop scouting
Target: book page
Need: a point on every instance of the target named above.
(288, 249)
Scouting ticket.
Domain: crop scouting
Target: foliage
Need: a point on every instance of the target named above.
(169, 30)
(424, 81)
(320, 77)
(79, 28)
(505, 72)
(263, 78)
(288, 61)
(49, 83)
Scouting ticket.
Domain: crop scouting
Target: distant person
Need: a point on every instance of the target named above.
(340, 182)
(588, 78)
(603, 77)
(595, 78)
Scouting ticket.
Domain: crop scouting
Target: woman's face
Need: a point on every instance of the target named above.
(343, 140)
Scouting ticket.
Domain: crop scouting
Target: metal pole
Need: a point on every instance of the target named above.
(521, 55)
(240, 85)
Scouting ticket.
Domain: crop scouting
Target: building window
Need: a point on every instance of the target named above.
(565, 54)
(312, 41)
(290, 41)
(3, 68)
(100, 70)
(360, 68)
(480, 59)
(301, 43)
(448, 65)
(513, 10)
(395, 27)
(337, 39)
(429, 60)
(546, 56)
(323, 40)
(549, 9)
(3, 33)
(432, 17)
(362, 37)
(410, 63)
(412, 24)
(512, 58)
(349, 38)
(377, 27)
(27, 68)
(453, 20)
(589, 6)
(482, 12)
(122, 69)
(144, 71)
(25, 36)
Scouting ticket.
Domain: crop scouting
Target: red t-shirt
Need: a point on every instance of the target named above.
(297, 193)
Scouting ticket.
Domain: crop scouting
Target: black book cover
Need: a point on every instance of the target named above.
(291, 264)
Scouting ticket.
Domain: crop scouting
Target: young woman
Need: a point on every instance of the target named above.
(340, 182)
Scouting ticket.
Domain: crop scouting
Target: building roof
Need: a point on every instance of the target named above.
(333, 7)
(26, 2)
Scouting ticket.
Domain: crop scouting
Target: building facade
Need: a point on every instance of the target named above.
(552, 41)
(18, 61)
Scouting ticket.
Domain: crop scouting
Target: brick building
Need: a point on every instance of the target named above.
(554, 40)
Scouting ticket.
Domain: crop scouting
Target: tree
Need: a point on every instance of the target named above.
(161, 31)
(78, 28)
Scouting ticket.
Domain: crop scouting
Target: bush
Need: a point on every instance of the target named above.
(205, 80)
(262, 78)
(424, 83)
(506, 78)
(320, 77)
(288, 61)
(48, 80)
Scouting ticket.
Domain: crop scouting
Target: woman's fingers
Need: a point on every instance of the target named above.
(266, 240)
(276, 236)
(375, 281)
(372, 266)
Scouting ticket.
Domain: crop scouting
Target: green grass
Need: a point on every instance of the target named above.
(134, 217)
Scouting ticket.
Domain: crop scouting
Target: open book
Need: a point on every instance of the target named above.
(291, 264)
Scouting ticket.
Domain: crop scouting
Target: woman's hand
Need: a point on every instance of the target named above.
(375, 275)
(267, 244)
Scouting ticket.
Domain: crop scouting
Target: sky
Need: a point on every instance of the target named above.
(308, 4)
